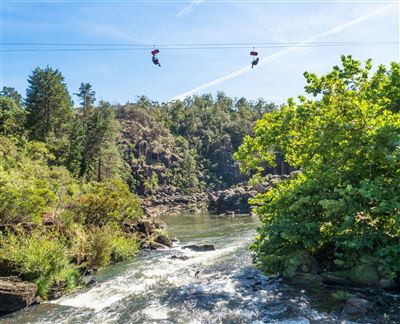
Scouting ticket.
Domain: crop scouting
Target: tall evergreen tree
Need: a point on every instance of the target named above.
(48, 104)
(101, 158)
(87, 96)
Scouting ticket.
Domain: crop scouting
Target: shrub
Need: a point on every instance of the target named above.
(41, 257)
(124, 246)
(100, 248)
(23, 200)
(107, 202)
(94, 247)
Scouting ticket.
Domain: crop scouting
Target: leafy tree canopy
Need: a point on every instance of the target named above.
(345, 138)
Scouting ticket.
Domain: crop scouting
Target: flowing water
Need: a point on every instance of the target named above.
(220, 286)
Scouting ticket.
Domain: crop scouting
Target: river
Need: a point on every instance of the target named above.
(220, 286)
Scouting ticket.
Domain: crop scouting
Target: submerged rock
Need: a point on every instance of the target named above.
(15, 294)
(200, 248)
(179, 257)
(306, 279)
(335, 279)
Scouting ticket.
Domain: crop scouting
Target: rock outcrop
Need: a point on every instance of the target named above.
(150, 232)
(15, 294)
(235, 200)
(171, 201)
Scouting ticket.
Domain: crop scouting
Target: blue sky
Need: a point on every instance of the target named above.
(122, 76)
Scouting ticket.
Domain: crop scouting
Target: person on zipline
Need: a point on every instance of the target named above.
(255, 62)
(156, 61)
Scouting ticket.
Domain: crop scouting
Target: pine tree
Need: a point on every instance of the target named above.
(101, 158)
(48, 105)
(87, 96)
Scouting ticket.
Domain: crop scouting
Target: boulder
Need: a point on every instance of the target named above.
(158, 223)
(146, 227)
(387, 284)
(357, 306)
(15, 294)
(164, 240)
(200, 248)
(232, 200)
(151, 245)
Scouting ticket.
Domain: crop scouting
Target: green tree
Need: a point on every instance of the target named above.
(10, 92)
(76, 145)
(48, 105)
(101, 158)
(87, 98)
(12, 117)
(344, 206)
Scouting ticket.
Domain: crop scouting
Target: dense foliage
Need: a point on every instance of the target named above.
(343, 208)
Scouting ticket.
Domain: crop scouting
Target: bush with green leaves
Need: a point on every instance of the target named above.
(344, 206)
(12, 117)
(41, 257)
(124, 246)
(107, 202)
(29, 187)
(94, 247)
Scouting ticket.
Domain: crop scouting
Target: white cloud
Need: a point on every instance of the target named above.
(189, 8)
(283, 52)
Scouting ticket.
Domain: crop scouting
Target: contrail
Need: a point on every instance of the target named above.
(189, 8)
(281, 53)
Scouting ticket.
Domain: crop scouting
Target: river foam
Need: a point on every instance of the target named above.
(174, 271)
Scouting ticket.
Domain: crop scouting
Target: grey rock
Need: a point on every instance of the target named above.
(164, 240)
(15, 294)
(357, 306)
(387, 284)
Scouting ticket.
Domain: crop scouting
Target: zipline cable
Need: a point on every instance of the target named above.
(197, 44)
(143, 47)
